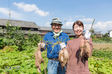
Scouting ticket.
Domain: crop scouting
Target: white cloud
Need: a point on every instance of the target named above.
(87, 20)
(68, 24)
(14, 14)
(47, 24)
(31, 8)
(103, 26)
(79, 16)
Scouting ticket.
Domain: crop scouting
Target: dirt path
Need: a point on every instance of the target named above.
(105, 46)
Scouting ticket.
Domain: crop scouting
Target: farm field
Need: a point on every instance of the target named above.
(16, 62)
(106, 46)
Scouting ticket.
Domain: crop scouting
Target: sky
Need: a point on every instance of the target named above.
(43, 11)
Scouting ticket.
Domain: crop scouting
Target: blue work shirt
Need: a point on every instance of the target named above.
(52, 44)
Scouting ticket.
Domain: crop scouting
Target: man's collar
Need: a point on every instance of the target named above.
(55, 35)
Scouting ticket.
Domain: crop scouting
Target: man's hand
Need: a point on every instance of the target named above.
(41, 45)
(62, 45)
(63, 56)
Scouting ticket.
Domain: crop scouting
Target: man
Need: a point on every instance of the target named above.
(52, 42)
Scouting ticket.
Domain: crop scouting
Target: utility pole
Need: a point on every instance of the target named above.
(9, 13)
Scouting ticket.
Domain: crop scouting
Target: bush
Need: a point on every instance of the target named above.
(10, 48)
(15, 36)
(1, 43)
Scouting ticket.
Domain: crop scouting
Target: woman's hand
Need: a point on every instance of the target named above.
(84, 47)
(87, 49)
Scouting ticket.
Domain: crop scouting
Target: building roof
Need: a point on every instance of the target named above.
(68, 31)
(4, 22)
(50, 29)
(45, 28)
(26, 24)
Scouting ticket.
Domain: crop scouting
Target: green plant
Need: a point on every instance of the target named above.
(15, 36)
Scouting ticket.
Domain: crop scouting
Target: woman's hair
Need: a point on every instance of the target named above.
(79, 23)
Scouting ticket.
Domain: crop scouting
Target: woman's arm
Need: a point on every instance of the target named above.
(88, 47)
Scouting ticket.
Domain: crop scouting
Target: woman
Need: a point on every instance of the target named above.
(79, 50)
